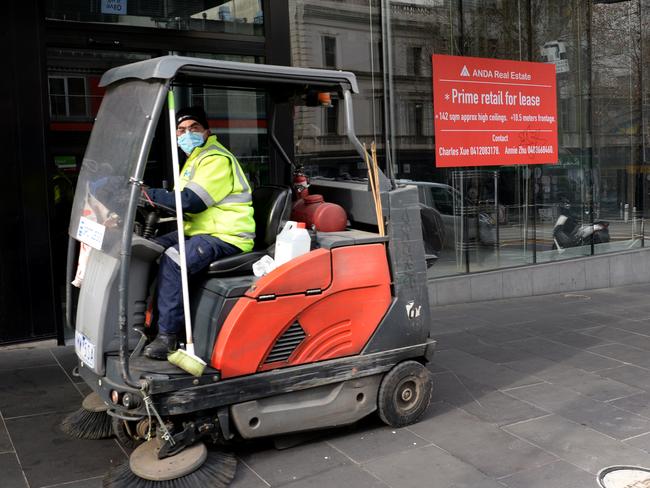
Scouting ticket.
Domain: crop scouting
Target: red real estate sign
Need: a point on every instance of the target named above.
(493, 112)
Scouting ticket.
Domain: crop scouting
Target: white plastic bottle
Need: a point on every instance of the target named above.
(291, 242)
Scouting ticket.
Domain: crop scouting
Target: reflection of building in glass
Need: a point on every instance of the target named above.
(596, 50)
(337, 35)
(236, 16)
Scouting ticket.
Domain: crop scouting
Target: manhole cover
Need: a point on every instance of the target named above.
(624, 477)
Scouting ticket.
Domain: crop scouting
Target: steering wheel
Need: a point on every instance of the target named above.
(145, 204)
(150, 215)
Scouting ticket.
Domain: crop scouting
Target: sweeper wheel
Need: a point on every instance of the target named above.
(404, 394)
(144, 462)
(129, 433)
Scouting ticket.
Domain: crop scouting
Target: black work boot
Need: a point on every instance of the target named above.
(162, 345)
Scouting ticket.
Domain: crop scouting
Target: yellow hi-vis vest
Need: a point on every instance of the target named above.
(214, 174)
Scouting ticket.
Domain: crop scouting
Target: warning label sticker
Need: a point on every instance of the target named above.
(493, 112)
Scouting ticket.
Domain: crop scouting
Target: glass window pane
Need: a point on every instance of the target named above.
(57, 97)
(332, 118)
(234, 16)
(329, 52)
(618, 177)
(236, 116)
(498, 216)
(77, 97)
(321, 146)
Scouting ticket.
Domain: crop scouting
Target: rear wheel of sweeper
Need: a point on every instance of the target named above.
(130, 433)
(404, 394)
(193, 466)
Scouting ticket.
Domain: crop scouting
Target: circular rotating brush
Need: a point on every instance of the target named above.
(90, 421)
(193, 467)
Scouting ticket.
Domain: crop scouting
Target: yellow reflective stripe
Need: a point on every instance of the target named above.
(245, 196)
(174, 255)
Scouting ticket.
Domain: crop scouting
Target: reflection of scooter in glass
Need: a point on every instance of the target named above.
(568, 232)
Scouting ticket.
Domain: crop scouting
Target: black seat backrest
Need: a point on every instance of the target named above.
(272, 204)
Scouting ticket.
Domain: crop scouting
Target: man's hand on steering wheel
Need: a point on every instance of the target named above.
(151, 198)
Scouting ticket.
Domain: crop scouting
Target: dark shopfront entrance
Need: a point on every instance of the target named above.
(50, 102)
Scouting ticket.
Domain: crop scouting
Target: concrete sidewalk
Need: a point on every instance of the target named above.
(530, 392)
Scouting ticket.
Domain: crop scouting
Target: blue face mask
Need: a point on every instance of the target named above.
(188, 141)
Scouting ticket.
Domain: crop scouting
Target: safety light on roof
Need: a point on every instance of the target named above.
(325, 99)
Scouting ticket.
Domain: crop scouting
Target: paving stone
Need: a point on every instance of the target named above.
(501, 315)
(637, 326)
(612, 334)
(340, 476)
(36, 390)
(289, 465)
(428, 466)
(624, 353)
(577, 340)
(375, 441)
(488, 405)
(555, 475)
(86, 483)
(466, 437)
(541, 368)
(5, 442)
(636, 340)
(456, 340)
(630, 375)
(602, 417)
(574, 322)
(577, 444)
(640, 442)
(500, 334)
(539, 328)
(495, 354)
(539, 346)
(631, 311)
(456, 323)
(638, 404)
(598, 317)
(480, 370)
(475, 345)
(25, 358)
(10, 472)
(246, 478)
(593, 385)
(67, 358)
(50, 457)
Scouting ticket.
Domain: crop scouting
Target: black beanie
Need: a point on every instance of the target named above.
(193, 113)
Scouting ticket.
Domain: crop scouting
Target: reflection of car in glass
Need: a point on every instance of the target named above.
(479, 225)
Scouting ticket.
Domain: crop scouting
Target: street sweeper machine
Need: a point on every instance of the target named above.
(325, 339)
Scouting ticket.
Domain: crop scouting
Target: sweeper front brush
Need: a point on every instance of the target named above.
(193, 467)
(90, 421)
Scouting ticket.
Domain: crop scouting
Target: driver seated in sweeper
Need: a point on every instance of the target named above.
(218, 207)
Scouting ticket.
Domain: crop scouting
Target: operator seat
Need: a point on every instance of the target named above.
(272, 207)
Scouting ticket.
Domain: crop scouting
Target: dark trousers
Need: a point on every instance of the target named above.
(200, 251)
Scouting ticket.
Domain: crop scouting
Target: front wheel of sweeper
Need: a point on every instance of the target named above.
(128, 432)
(404, 394)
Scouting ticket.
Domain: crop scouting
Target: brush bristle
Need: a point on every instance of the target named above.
(217, 471)
(187, 362)
(84, 424)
